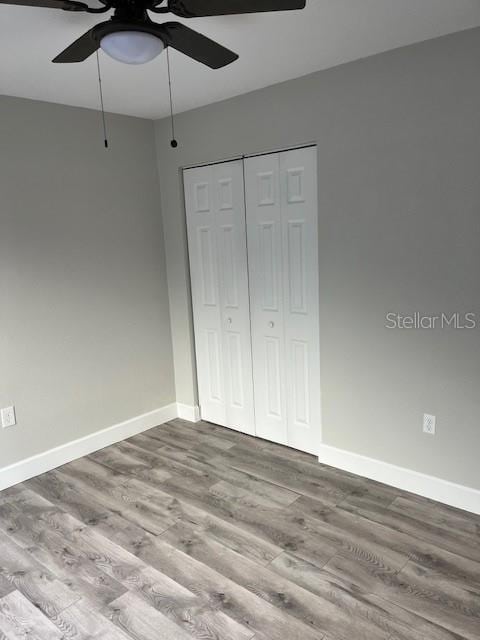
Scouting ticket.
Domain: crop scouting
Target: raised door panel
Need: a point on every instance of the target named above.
(235, 367)
(229, 265)
(301, 294)
(207, 272)
(301, 400)
(214, 367)
(203, 255)
(266, 264)
(273, 377)
(297, 238)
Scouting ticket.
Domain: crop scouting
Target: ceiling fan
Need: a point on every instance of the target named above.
(131, 36)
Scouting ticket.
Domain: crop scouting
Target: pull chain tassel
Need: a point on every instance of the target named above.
(105, 141)
(173, 141)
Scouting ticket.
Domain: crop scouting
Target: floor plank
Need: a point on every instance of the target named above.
(193, 612)
(32, 579)
(400, 623)
(19, 618)
(194, 531)
(142, 622)
(106, 486)
(443, 518)
(301, 477)
(434, 598)
(33, 524)
(183, 462)
(247, 608)
(318, 612)
(273, 525)
(81, 621)
(421, 526)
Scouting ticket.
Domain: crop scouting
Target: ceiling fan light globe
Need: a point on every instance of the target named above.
(132, 47)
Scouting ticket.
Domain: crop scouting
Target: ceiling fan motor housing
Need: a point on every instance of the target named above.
(103, 29)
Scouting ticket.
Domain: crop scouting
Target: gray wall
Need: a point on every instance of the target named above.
(399, 160)
(84, 320)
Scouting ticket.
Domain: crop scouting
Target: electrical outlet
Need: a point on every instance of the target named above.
(429, 424)
(8, 417)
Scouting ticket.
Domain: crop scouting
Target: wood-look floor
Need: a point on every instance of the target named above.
(195, 531)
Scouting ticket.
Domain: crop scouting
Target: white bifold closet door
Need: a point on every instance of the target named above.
(253, 247)
(282, 232)
(215, 206)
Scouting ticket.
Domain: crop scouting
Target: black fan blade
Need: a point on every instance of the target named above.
(193, 44)
(66, 5)
(79, 50)
(198, 8)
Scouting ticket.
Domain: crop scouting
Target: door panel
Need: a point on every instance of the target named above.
(201, 224)
(265, 260)
(214, 198)
(282, 232)
(235, 303)
(298, 180)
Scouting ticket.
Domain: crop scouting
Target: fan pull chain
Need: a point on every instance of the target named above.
(173, 142)
(101, 102)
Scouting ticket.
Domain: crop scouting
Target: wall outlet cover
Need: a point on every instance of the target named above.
(429, 424)
(8, 417)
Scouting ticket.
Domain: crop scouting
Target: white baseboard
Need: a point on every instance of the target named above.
(188, 412)
(455, 495)
(54, 458)
(428, 486)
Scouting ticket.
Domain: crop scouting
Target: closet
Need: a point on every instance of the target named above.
(253, 247)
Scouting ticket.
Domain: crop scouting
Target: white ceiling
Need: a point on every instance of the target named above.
(272, 47)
